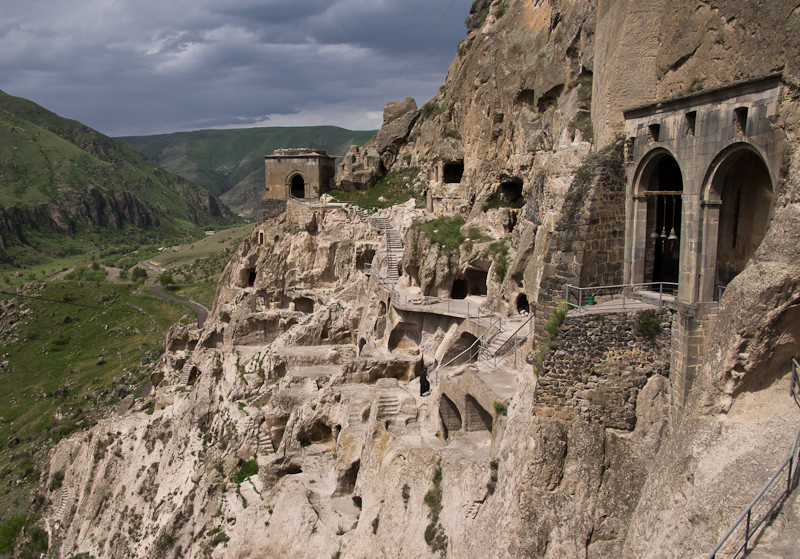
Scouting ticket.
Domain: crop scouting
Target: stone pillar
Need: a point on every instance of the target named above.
(708, 262)
(690, 329)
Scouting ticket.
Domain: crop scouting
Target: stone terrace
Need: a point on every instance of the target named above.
(598, 366)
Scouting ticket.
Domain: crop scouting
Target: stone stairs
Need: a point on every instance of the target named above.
(355, 416)
(186, 372)
(62, 504)
(388, 406)
(394, 244)
(265, 445)
(245, 426)
(472, 512)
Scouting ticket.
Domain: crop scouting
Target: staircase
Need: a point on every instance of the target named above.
(62, 505)
(354, 417)
(186, 372)
(265, 445)
(499, 346)
(388, 406)
(245, 426)
(394, 244)
(472, 512)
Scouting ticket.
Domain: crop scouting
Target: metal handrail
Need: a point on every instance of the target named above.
(624, 287)
(402, 301)
(518, 341)
(751, 529)
(470, 349)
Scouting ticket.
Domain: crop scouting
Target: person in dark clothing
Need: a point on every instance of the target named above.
(424, 385)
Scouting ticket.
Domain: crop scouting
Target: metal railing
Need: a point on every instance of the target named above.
(762, 509)
(514, 340)
(469, 354)
(577, 293)
(455, 307)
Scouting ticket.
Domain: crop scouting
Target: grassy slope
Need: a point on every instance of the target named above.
(233, 160)
(123, 322)
(47, 158)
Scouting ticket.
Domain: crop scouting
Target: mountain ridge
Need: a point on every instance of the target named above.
(58, 176)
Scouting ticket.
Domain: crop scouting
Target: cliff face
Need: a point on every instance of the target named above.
(292, 423)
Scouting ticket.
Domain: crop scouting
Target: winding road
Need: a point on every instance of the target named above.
(200, 310)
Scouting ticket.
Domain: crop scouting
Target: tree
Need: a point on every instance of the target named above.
(165, 278)
(139, 273)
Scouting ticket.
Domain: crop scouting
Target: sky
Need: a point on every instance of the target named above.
(138, 67)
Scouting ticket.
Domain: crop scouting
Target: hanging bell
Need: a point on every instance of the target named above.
(654, 234)
(672, 235)
(663, 233)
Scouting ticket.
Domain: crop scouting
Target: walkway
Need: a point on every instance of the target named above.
(200, 310)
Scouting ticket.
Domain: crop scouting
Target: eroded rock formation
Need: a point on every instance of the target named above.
(292, 424)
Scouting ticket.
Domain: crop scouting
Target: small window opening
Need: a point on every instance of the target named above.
(453, 172)
(691, 122)
(740, 120)
(654, 132)
(261, 237)
(736, 210)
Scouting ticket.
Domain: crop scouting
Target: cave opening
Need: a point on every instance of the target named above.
(460, 289)
(453, 172)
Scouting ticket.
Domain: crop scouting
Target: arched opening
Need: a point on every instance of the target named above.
(251, 278)
(346, 482)
(316, 433)
(460, 289)
(744, 186)
(477, 418)
(404, 336)
(511, 192)
(663, 189)
(453, 172)
(298, 187)
(464, 342)
(304, 305)
(261, 237)
(476, 281)
(193, 376)
(523, 307)
(364, 257)
(450, 416)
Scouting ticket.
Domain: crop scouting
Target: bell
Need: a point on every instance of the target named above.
(654, 234)
(663, 233)
(672, 235)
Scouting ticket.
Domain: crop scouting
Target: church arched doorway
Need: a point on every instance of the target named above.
(298, 186)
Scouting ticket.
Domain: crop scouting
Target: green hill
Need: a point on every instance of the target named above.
(67, 190)
(230, 163)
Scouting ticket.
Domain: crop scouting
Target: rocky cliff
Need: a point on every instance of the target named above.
(293, 423)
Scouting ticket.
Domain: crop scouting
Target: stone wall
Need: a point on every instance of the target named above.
(587, 247)
(598, 365)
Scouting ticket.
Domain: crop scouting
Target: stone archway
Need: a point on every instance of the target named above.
(658, 210)
(297, 185)
(738, 207)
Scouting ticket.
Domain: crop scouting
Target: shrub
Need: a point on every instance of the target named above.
(649, 324)
(55, 480)
(444, 231)
(499, 407)
(246, 469)
(9, 531)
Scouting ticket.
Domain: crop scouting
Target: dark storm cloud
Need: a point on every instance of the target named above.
(150, 66)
